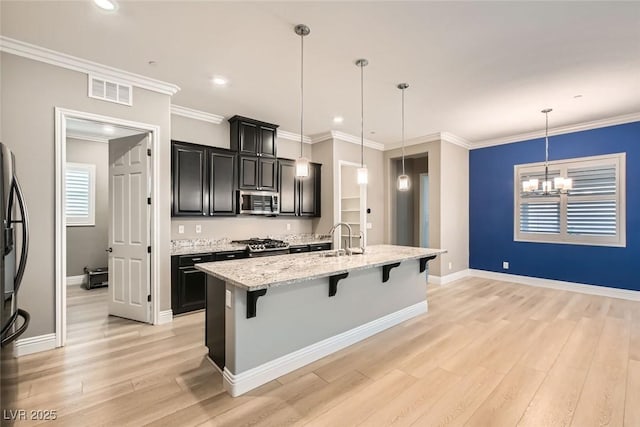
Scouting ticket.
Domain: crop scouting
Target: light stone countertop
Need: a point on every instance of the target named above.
(265, 272)
(199, 246)
(205, 248)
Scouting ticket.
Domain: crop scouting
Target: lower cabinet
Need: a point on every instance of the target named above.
(188, 285)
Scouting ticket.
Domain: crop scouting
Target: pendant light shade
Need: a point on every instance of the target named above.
(404, 183)
(302, 164)
(362, 173)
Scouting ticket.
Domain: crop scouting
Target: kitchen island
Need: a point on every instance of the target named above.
(266, 317)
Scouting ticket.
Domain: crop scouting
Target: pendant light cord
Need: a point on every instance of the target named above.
(301, 90)
(403, 132)
(362, 115)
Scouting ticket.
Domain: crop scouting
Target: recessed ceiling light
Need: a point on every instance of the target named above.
(338, 119)
(109, 5)
(108, 129)
(220, 81)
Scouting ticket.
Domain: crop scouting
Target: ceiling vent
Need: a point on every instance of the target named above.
(111, 91)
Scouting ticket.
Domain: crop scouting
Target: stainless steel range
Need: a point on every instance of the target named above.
(264, 247)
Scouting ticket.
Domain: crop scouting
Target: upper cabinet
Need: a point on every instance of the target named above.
(204, 180)
(189, 175)
(253, 137)
(299, 196)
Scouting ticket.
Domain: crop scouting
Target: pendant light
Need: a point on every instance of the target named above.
(559, 185)
(363, 174)
(403, 180)
(302, 164)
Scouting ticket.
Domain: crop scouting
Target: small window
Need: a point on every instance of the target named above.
(80, 189)
(591, 213)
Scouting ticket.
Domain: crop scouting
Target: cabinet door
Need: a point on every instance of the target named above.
(310, 192)
(188, 172)
(248, 173)
(191, 289)
(268, 174)
(267, 142)
(248, 137)
(222, 183)
(287, 184)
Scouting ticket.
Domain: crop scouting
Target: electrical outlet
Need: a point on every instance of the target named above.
(227, 298)
(198, 228)
(450, 265)
(181, 229)
(369, 226)
(288, 227)
(505, 265)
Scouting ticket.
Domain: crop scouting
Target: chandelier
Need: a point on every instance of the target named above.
(547, 187)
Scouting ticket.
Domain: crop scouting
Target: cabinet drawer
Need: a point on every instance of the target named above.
(320, 247)
(298, 249)
(223, 256)
(189, 260)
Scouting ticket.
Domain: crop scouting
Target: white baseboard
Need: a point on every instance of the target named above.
(582, 288)
(443, 280)
(237, 384)
(36, 344)
(165, 317)
(76, 280)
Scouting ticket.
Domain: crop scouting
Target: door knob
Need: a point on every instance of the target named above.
(109, 250)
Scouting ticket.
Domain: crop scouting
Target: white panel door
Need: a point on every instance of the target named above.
(129, 259)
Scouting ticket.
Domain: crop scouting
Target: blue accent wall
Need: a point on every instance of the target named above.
(491, 212)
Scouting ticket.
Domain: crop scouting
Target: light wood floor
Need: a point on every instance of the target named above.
(487, 353)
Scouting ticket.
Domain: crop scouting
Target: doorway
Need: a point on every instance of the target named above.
(410, 209)
(105, 224)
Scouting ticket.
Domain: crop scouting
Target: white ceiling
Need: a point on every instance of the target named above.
(479, 70)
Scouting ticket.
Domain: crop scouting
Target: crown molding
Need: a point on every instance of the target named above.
(595, 124)
(455, 140)
(336, 134)
(292, 136)
(432, 137)
(59, 59)
(190, 113)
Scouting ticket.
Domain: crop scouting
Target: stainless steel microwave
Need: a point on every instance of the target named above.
(258, 202)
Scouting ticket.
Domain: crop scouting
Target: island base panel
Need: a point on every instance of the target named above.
(215, 321)
(291, 318)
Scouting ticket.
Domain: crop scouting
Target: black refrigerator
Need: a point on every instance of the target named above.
(14, 237)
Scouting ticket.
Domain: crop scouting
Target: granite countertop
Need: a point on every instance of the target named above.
(198, 246)
(266, 272)
(207, 247)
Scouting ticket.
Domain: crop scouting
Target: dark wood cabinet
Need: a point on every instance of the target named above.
(188, 285)
(287, 184)
(222, 182)
(253, 137)
(204, 180)
(299, 196)
(309, 199)
(189, 173)
(257, 173)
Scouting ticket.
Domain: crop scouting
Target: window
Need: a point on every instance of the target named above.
(591, 213)
(80, 188)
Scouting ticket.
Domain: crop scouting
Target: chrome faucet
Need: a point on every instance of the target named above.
(335, 227)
